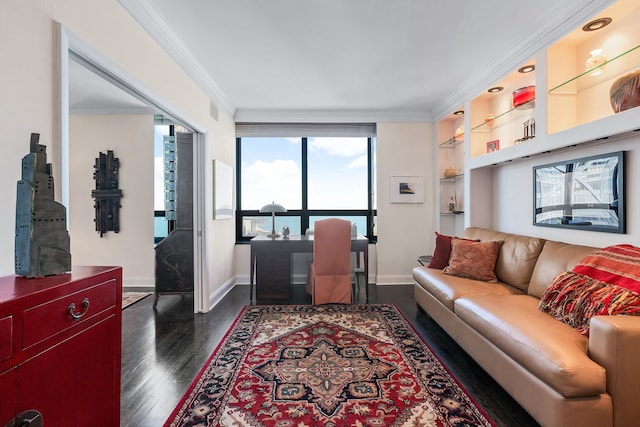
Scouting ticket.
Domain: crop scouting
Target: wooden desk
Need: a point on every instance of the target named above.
(274, 255)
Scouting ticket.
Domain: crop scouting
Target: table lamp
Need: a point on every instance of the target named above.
(273, 208)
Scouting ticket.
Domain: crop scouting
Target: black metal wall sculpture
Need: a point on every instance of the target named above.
(42, 244)
(107, 195)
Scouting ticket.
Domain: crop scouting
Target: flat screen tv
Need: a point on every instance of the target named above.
(585, 194)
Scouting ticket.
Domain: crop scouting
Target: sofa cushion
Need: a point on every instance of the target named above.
(555, 258)
(473, 260)
(517, 257)
(549, 349)
(447, 289)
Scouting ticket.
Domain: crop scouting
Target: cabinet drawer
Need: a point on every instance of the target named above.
(55, 316)
(6, 337)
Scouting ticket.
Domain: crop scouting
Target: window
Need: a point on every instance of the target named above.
(312, 177)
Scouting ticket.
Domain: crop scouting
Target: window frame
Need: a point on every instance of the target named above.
(305, 213)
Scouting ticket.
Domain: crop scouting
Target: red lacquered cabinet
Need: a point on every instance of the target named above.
(60, 343)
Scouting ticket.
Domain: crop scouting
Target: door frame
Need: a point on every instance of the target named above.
(72, 46)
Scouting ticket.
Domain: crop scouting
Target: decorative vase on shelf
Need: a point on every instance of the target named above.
(450, 173)
(489, 119)
(625, 92)
(459, 134)
(452, 205)
(525, 97)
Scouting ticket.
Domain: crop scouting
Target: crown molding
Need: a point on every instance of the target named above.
(564, 19)
(144, 12)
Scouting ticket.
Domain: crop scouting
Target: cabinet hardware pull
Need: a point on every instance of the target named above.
(29, 418)
(72, 308)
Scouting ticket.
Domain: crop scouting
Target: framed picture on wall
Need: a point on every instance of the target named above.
(222, 190)
(406, 189)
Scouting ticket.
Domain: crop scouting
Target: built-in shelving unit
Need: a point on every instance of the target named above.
(583, 66)
(496, 123)
(451, 155)
(571, 108)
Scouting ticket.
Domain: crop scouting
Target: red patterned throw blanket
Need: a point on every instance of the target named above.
(328, 365)
(606, 282)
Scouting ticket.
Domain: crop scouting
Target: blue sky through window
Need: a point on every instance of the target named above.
(272, 171)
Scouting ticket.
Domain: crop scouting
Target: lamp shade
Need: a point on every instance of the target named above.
(272, 208)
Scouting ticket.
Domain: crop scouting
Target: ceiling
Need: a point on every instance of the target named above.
(285, 60)
(91, 94)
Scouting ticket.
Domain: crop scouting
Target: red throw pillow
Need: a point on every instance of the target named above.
(441, 254)
(440, 258)
(473, 260)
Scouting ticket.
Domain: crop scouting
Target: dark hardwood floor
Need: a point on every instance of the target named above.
(164, 349)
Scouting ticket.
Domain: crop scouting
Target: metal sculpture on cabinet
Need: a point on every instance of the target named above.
(107, 195)
(42, 244)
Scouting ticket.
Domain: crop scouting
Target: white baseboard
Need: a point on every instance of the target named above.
(138, 284)
(217, 296)
(405, 279)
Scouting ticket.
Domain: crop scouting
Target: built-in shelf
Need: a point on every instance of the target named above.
(624, 63)
(452, 178)
(451, 150)
(496, 122)
(452, 142)
(583, 66)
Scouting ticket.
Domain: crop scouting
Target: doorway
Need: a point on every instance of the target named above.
(73, 49)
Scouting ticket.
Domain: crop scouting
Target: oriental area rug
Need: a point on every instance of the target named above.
(130, 298)
(328, 365)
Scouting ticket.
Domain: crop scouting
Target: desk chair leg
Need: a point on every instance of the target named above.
(359, 272)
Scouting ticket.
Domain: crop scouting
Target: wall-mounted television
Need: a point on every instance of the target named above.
(585, 194)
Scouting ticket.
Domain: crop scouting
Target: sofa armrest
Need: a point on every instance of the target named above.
(614, 343)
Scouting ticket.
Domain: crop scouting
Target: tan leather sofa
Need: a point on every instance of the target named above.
(562, 378)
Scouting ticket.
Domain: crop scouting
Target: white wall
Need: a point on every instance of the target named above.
(513, 196)
(27, 88)
(405, 231)
(28, 42)
(130, 138)
(221, 237)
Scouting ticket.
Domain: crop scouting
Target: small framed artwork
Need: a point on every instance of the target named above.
(493, 146)
(222, 190)
(406, 189)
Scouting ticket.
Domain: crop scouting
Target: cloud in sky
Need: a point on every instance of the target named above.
(358, 162)
(341, 147)
(277, 181)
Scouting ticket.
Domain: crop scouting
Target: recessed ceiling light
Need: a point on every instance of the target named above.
(527, 68)
(596, 24)
(495, 89)
(458, 113)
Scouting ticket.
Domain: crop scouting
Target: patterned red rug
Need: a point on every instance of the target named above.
(329, 365)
